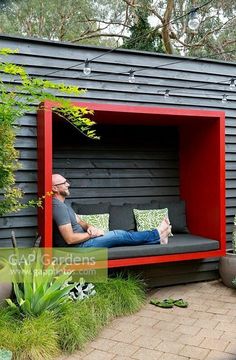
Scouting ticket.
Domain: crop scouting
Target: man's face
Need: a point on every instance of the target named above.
(61, 186)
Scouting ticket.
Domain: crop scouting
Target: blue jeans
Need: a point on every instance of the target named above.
(123, 238)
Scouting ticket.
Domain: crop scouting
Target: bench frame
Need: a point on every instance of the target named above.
(201, 129)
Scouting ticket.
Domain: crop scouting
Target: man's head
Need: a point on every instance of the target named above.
(60, 186)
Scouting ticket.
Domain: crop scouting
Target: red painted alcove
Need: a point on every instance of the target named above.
(202, 168)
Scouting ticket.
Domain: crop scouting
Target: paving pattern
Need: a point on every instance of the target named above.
(206, 330)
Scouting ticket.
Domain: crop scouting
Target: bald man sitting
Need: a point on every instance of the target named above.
(70, 230)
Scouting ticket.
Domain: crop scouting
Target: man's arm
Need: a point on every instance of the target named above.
(72, 238)
(90, 229)
(63, 221)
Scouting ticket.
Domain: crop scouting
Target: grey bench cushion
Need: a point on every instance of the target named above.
(179, 243)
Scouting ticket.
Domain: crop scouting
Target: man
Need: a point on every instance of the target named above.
(70, 230)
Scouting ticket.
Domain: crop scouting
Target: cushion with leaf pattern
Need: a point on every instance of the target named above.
(149, 219)
(100, 221)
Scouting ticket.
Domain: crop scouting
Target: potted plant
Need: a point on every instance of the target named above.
(5, 283)
(227, 263)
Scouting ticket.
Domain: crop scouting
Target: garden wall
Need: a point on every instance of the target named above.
(195, 84)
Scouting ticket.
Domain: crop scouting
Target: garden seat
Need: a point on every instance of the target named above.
(178, 244)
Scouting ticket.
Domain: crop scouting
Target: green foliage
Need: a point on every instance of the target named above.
(16, 99)
(82, 321)
(36, 332)
(40, 290)
(137, 40)
(34, 338)
(126, 295)
(42, 337)
(55, 19)
(109, 22)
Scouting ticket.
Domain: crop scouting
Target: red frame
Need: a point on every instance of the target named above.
(202, 169)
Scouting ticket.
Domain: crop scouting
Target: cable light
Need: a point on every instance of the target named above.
(167, 94)
(224, 99)
(232, 84)
(131, 76)
(193, 22)
(87, 68)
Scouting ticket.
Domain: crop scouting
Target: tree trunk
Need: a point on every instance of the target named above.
(166, 27)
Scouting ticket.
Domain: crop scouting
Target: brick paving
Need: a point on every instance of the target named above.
(206, 330)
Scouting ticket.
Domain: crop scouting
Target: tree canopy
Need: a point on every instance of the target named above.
(152, 25)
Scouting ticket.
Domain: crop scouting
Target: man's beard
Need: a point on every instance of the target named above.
(65, 192)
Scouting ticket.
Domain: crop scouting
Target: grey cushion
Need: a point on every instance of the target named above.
(179, 243)
(177, 215)
(149, 206)
(88, 209)
(122, 217)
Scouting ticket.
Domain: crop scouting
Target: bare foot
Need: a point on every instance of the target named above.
(164, 241)
(167, 220)
(164, 236)
(162, 227)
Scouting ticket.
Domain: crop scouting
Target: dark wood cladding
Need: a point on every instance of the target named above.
(138, 170)
(120, 166)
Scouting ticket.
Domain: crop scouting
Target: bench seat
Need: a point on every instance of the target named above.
(178, 244)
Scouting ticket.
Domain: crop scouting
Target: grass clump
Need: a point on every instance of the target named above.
(29, 338)
(39, 338)
(125, 295)
(45, 336)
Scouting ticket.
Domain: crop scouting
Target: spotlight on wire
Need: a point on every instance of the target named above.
(131, 76)
(87, 68)
(193, 22)
(224, 99)
(167, 94)
(232, 84)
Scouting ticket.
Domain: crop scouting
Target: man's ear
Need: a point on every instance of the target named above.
(54, 189)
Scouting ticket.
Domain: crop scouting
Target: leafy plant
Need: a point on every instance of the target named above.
(82, 290)
(41, 290)
(19, 94)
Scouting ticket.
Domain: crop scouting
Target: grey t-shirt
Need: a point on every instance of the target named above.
(62, 215)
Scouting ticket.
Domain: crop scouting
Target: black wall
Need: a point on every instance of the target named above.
(128, 164)
(194, 84)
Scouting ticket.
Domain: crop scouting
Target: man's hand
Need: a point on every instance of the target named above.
(94, 232)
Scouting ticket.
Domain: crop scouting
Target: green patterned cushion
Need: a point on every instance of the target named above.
(149, 219)
(100, 221)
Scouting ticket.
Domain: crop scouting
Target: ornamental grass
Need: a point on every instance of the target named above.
(46, 336)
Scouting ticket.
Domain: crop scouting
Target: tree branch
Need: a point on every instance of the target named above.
(166, 27)
(90, 36)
